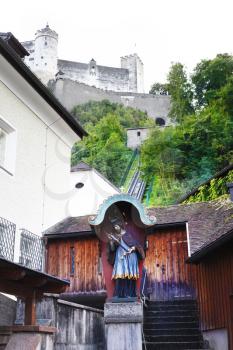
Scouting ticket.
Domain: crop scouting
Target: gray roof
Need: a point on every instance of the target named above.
(11, 40)
(62, 64)
(70, 225)
(72, 64)
(82, 166)
(207, 221)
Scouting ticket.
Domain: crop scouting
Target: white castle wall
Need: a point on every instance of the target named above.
(44, 62)
(43, 54)
(106, 78)
(135, 68)
(71, 93)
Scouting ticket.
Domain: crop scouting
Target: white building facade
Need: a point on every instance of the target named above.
(90, 189)
(36, 137)
(136, 137)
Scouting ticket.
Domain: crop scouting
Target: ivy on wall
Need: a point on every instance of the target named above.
(213, 190)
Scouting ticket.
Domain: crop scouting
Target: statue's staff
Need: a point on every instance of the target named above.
(117, 240)
(119, 243)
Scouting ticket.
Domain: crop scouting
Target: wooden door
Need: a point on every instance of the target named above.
(168, 274)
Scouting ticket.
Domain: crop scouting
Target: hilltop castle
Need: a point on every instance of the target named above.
(75, 83)
(44, 62)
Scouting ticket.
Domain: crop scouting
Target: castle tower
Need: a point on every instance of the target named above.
(136, 76)
(45, 54)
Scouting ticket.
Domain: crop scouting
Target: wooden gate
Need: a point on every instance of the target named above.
(168, 274)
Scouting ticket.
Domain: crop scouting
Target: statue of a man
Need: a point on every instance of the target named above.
(123, 253)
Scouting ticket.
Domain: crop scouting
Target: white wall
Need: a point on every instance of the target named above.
(218, 339)
(36, 195)
(86, 200)
(134, 140)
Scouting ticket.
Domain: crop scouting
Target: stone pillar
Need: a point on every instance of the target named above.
(30, 337)
(123, 325)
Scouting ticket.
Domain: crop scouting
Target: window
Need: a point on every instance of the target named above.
(2, 146)
(138, 133)
(7, 146)
(72, 258)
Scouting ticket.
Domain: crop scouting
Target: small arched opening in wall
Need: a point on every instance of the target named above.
(79, 185)
(160, 122)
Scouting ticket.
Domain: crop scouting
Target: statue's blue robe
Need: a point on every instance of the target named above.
(125, 266)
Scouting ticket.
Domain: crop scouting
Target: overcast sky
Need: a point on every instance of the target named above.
(161, 32)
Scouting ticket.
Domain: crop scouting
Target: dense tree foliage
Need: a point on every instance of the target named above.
(210, 76)
(216, 188)
(105, 146)
(159, 89)
(91, 112)
(200, 143)
(181, 94)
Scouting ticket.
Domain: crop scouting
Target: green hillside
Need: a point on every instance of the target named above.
(176, 158)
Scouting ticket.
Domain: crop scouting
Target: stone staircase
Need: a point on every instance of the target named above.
(172, 325)
(4, 338)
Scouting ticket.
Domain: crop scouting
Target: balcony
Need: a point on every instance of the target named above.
(31, 252)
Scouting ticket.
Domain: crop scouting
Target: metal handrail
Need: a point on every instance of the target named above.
(143, 299)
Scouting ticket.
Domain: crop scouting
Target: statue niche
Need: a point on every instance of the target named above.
(120, 225)
(123, 253)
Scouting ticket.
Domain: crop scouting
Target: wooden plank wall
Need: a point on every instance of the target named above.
(87, 275)
(213, 279)
(169, 276)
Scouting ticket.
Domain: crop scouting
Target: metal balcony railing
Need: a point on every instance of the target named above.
(7, 239)
(31, 250)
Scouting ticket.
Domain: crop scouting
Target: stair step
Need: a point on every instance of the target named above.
(173, 338)
(172, 325)
(171, 307)
(172, 345)
(168, 331)
(165, 319)
(164, 312)
(174, 302)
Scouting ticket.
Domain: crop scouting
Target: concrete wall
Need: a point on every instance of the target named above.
(79, 327)
(71, 93)
(217, 339)
(35, 194)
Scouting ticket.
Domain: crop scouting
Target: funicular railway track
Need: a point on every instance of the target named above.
(137, 186)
